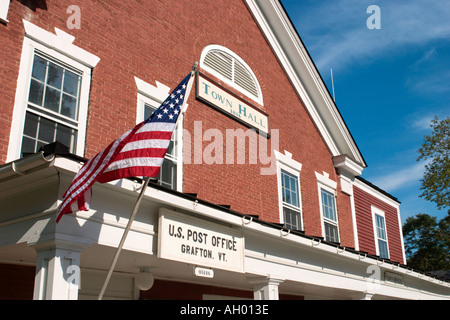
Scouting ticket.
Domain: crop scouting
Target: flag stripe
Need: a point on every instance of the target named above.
(146, 144)
(157, 126)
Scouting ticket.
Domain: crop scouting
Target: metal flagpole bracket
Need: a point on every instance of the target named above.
(189, 87)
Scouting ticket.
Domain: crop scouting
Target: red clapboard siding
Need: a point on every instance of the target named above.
(363, 203)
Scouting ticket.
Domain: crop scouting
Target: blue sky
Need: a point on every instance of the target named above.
(389, 82)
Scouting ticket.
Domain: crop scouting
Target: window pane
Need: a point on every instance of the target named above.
(170, 149)
(36, 92)
(52, 99)
(69, 106)
(382, 245)
(55, 75)
(291, 219)
(71, 83)
(168, 175)
(28, 145)
(46, 130)
(148, 111)
(31, 124)
(39, 68)
(331, 232)
(65, 135)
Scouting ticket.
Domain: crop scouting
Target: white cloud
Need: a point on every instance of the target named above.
(337, 34)
(400, 179)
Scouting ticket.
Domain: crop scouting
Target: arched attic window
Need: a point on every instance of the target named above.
(230, 68)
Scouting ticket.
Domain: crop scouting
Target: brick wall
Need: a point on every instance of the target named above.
(160, 40)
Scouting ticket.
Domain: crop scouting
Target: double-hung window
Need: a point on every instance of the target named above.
(52, 95)
(328, 209)
(381, 241)
(149, 99)
(52, 106)
(291, 200)
(289, 195)
(329, 215)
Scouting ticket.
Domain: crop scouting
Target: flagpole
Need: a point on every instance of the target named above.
(138, 201)
(124, 236)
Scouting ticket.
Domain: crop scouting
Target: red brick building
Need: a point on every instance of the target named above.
(261, 158)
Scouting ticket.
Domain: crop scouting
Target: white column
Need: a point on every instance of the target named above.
(57, 274)
(265, 288)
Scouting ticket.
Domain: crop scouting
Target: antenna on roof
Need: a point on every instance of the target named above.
(332, 84)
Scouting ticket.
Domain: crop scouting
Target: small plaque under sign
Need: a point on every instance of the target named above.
(203, 272)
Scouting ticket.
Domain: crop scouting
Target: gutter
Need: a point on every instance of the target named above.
(25, 165)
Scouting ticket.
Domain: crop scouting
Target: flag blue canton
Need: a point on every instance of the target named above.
(170, 109)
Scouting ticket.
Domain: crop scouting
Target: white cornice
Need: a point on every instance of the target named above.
(294, 58)
(61, 42)
(346, 165)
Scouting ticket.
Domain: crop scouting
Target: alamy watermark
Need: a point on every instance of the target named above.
(230, 146)
(374, 20)
(74, 21)
(74, 277)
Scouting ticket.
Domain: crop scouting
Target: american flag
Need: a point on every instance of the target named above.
(138, 152)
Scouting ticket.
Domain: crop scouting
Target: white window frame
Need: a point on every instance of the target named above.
(4, 7)
(286, 163)
(60, 48)
(375, 211)
(325, 183)
(154, 96)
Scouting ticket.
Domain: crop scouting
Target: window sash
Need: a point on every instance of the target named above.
(383, 248)
(57, 83)
(290, 189)
(292, 218)
(331, 232)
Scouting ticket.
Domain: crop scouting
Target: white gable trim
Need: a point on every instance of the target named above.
(287, 45)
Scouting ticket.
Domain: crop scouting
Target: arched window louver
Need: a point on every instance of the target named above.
(228, 67)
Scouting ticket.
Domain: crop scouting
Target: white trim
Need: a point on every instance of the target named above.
(375, 211)
(4, 7)
(361, 185)
(285, 162)
(154, 96)
(61, 42)
(401, 235)
(208, 48)
(346, 165)
(35, 39)
(325, 183)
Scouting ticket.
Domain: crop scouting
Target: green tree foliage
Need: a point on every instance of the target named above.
(427, 242)
(436, 149)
